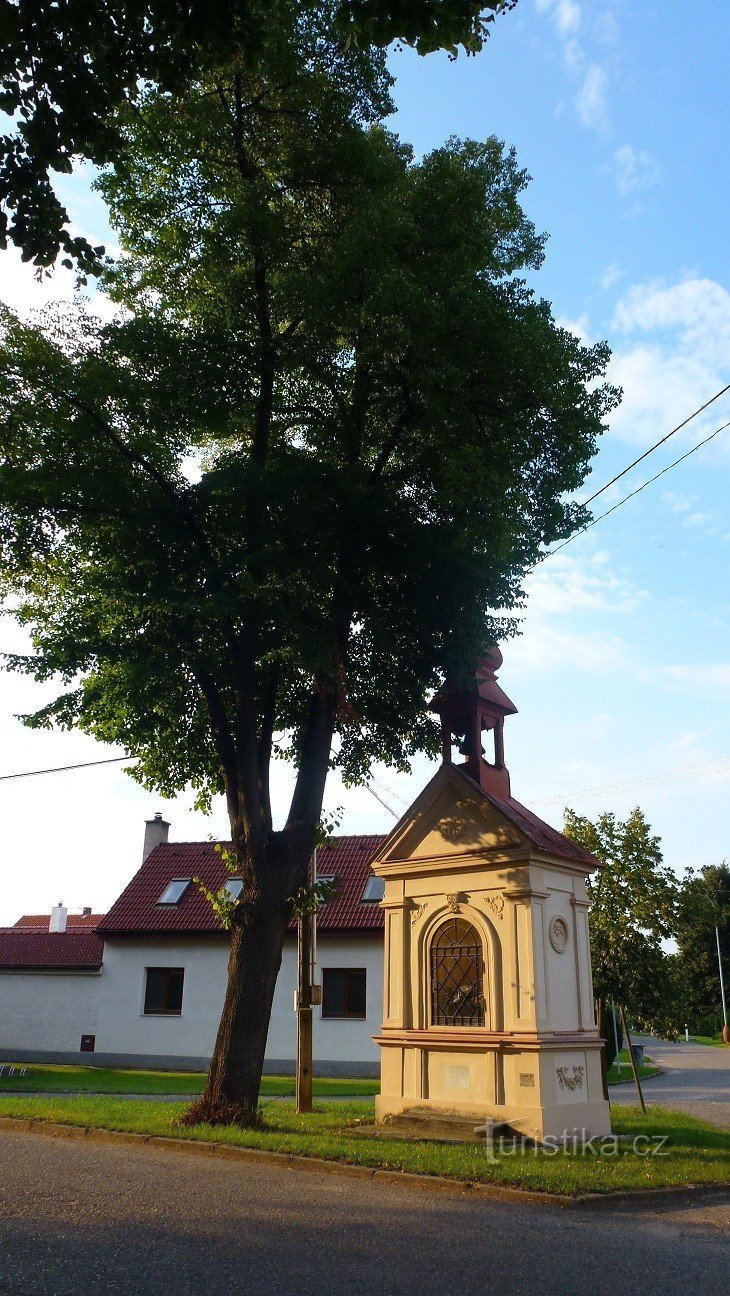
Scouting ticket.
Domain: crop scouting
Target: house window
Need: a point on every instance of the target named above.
(234, 887)
(374, 890)
(326, 882)
(163, 991)
(343, 992)
(174, 891)
(457, 975)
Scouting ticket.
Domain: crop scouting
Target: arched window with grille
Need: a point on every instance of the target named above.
(457, 975)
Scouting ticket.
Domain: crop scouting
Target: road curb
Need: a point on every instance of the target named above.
(690, 1194)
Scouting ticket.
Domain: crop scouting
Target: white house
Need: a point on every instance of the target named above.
(144, 984)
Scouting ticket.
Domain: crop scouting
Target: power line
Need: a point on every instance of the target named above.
(59, 769)
(373, 793)
(657, 444)
(389, 791)
(679, 773)
(639, 489)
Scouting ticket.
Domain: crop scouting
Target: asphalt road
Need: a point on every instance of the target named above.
(695, 1079)
(80, 1219)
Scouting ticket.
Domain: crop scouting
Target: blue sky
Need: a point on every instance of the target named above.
(622, 672)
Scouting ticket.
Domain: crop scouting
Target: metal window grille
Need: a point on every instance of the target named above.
(457, 976)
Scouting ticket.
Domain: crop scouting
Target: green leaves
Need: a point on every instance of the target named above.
(65, 83)
(703, 906)
(305, 470)
(429, 25)
(634, 900)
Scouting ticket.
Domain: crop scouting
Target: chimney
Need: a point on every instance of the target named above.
(86, 911)
(59, 915)
(155, 834)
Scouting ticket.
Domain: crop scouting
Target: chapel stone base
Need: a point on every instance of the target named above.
(544, 1089)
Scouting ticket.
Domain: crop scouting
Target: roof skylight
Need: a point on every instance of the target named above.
(174, 891)
(374, 890)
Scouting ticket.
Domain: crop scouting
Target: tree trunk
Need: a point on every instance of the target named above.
(234, 1078)
(274, 866)
(235, 1071)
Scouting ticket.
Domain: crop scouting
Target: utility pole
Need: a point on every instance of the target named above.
(637, 1082)
(725, 1028)
(305, 945)
(615, 1036)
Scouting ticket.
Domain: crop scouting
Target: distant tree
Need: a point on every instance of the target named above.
(633, 899)
(66, 71)
(300, 478)
(703, 904)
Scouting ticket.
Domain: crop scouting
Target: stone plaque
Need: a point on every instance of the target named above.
(527, 1080)
(456, 1077)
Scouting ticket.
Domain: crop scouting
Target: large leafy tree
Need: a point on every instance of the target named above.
(301, 475)
(67, 69)
(633, 912)
(703, 915)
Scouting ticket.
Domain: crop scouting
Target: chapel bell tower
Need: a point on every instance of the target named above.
(469, 717)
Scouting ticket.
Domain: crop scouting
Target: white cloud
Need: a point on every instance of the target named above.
(580, 327)
(569, 584)
(670, 355)
(566, 14)
(678, 503)
(25, 293)
(611, 276)
(635, 169)
(591, 100)
(699, 308)
(703, 676)
(572, 600)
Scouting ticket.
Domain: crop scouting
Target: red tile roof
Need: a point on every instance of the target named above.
(137, 910)
(50, 951)
(348, 858)
(541, 834)
(74, 922)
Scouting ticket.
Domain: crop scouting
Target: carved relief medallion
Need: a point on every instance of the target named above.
(568, 1081)
(558, 933)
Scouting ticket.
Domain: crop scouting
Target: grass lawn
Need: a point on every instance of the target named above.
(715, 1041)
(694, 1153)
(626, 1075)
(99, 1080)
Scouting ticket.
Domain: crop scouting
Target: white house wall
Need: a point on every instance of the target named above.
(125, 1036)
(44, 1014)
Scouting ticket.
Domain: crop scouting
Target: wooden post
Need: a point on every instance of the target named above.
(600, 1010)
(637, 1082)
(304, 1012)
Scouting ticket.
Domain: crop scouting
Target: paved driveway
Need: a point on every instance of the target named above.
(81, 1219)
(696, 1080)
